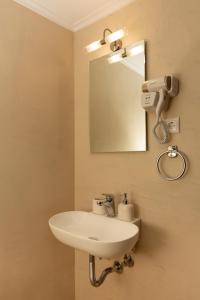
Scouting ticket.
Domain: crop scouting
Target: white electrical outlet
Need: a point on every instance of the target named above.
(173, 125)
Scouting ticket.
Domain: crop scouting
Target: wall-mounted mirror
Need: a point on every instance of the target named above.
(117, 120)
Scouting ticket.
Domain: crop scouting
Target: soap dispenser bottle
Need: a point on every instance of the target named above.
(125, 210)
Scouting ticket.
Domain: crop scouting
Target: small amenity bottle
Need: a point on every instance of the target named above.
(125, 210)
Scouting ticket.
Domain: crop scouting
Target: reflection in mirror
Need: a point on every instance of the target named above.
(117, 120)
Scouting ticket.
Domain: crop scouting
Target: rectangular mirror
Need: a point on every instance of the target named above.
(117, 120)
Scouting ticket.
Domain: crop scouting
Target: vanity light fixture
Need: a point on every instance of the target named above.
(114, 39)
(115, 36)
(135, 50)
(117, 57)
(94, 46)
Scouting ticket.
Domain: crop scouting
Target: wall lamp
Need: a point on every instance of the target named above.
(125, 52)
(113, 38)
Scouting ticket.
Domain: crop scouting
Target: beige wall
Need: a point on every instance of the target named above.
(167, 264)
(36, 154)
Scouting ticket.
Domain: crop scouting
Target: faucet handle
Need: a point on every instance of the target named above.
(105, 199)
(108, 197)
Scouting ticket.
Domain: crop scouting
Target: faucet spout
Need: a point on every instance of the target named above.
(108, 202)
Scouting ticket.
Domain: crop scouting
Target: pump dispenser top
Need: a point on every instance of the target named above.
(125, 210)
(125, 200)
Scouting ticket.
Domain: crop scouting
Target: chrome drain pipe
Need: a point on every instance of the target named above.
(117, 267)
(97, 282)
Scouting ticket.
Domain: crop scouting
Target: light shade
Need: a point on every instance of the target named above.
(115, 58)
(117, 35)
(135, 50)
(93, 46)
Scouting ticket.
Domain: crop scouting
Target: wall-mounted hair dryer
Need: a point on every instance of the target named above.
(155, 97)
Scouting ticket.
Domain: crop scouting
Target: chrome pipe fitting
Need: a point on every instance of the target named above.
(117, 268)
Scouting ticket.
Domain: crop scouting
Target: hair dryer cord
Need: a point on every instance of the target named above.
(164, 137)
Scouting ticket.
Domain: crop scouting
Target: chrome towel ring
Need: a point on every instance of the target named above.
(172, 152)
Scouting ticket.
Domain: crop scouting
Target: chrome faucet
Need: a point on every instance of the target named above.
(108, 202)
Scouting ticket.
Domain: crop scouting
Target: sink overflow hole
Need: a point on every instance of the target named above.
(93, 238)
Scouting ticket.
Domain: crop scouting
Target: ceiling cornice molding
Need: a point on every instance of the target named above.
(105, 10)
(43, 11)
(109, 8)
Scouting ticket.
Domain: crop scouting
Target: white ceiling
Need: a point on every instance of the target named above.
(74, 14)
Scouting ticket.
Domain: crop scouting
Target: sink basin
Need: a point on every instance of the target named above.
(98, 235)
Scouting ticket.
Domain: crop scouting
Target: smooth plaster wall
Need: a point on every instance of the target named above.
(167, 264)
(36, 154)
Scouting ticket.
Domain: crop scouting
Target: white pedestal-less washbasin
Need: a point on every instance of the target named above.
(98, 235)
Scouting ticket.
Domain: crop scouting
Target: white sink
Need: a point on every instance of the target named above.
(98, 235)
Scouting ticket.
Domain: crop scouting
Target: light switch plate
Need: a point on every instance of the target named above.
(173, 125)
